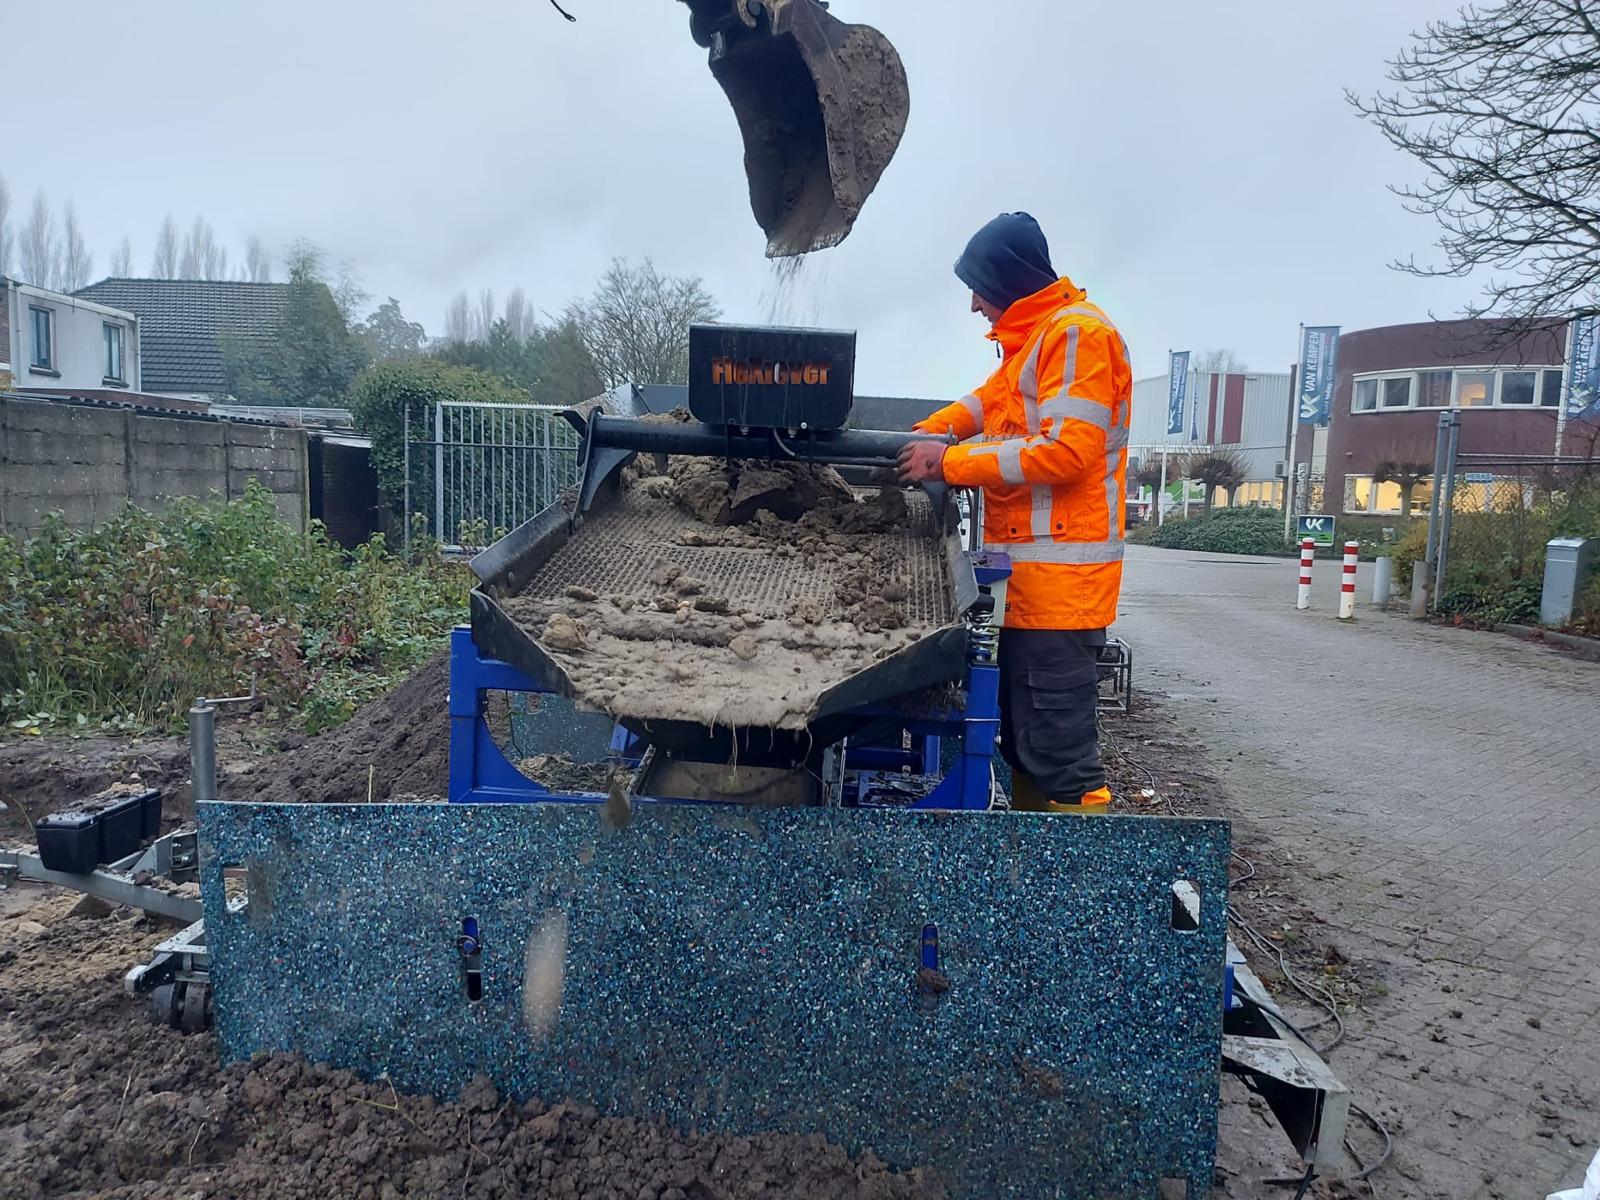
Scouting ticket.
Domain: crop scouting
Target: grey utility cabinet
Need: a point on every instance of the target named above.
(1566, 568)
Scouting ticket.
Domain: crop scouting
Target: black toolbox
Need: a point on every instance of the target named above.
(101, 830)
(69, 841)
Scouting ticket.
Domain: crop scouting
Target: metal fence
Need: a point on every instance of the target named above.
(484, 469)
(1490, 520)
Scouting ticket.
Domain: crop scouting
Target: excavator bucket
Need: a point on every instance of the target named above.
(822, 105)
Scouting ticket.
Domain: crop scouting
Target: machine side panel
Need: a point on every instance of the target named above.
(749, 970)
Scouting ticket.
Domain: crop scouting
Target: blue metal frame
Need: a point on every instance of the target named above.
(480, 773)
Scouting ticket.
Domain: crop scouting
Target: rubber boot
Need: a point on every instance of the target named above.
(1026, 797)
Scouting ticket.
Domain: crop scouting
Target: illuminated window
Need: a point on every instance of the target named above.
(1363, 495)
(1474, 389)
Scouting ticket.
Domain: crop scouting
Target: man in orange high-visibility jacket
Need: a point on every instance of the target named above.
(1046, 438)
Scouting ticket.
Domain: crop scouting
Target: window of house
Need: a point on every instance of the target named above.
(1422, 498)
(42, 321)
(1550, 394)
(1261, 492)
(1375, 393)
(1474, 389)
(1396, 392)
(113, 338)
(1363, 495)
(1518, 387)
(1512, 387)
(1433, 388)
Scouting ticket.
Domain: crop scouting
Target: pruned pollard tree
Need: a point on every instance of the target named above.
(1223, 468)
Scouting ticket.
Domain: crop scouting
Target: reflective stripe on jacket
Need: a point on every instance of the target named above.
(1046, 438)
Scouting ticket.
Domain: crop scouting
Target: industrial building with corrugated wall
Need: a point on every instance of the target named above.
(1248, 413)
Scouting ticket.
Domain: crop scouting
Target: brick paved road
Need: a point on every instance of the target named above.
(1447, 820)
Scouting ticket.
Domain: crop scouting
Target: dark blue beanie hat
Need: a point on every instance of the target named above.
(1006, 260)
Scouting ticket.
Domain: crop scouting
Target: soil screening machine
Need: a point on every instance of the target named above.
(795, 901)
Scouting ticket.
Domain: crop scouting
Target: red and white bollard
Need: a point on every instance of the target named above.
(1308, 552)
(1347, 589)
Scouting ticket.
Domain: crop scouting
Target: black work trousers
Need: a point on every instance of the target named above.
(1049, 689)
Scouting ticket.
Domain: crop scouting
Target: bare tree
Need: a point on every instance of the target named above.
(1221, 362)
(458, 319)
(77, 263)
(38, 256)
(519, 316)
(164, 263)
(5, 227)
(483, 319)
(257, 262)
(1222, 468)
(203, 256)
(1500, 105)
(122, 260)
(1148, 474)
(636, 325)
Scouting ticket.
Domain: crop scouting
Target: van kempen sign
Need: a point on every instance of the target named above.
(1318, 529)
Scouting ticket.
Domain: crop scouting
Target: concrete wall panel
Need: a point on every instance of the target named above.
(88, 462)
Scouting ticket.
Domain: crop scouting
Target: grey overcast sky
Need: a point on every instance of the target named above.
(1195, 165)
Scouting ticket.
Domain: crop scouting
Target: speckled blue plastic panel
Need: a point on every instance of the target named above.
(746, 970)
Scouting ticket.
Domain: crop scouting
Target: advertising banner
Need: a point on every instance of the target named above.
(1319, 366)
(1178, 389)
(1583, 367)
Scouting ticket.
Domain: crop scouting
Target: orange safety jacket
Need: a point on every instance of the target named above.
(1052, 458)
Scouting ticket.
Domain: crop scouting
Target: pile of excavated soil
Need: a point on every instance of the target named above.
(670, 645)
(402, 738)
(98, 1101)
(41, 775)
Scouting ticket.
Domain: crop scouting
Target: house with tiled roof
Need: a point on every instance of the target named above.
(183, 324)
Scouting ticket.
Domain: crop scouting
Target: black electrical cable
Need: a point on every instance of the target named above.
(1305, 1183)
(1388, 1141)
(562, 11)
(1266, 946)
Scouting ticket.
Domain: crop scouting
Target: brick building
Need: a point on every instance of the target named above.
(1507, 380)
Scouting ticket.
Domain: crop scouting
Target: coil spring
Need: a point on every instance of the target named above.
(983, 639)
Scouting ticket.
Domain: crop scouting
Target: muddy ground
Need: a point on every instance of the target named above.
(95, 1100)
